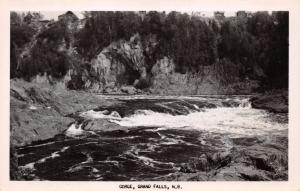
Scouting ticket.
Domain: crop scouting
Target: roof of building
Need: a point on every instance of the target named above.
(68, 13)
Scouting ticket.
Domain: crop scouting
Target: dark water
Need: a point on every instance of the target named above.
(147, 151)
(139, 154)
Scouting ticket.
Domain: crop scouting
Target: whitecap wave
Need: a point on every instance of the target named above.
(245, 103)
(91, 114)
(74, 130)
(32, 107)
(238, 120)
(42, 160)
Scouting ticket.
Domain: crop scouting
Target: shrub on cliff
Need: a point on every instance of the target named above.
(44, 60)
(102, 28)
(19, 36)
(55, 34)
(45, 56)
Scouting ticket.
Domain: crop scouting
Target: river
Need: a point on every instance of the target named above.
(165, 138)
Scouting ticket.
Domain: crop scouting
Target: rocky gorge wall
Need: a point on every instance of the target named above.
(208, 81)
(130, 66)
(121, 63)
(107, 52)
(121, 67)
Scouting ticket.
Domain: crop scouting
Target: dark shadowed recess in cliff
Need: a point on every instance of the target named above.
(128, 77)
(254, 44)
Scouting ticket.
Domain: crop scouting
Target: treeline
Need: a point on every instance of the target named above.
(249, 47)
(20, 34)
(35, 48)
(190, 41)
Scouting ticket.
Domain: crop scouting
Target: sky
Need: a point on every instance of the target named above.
(53, 14)
(48, 15)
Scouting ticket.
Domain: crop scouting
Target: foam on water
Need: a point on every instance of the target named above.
(74, 130)
(196, 106)
(238, 120)
(32, 107)
(146, 160)
(40, 145)
(91, 114)
(42, 160)
(245, 103)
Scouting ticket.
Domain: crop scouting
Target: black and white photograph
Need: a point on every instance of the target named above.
(149, 95)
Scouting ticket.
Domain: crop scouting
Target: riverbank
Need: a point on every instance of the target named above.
(41, 111)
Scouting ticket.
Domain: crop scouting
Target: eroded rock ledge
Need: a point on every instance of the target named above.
(39, 111)
(250, 159)
(273, 101)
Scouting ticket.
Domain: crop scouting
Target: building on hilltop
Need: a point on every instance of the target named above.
(81, 23)
(27, 19)
(241, 14)
(70, 20)
(219, 15)
(142, 14)
(69, 16)
(47, 23)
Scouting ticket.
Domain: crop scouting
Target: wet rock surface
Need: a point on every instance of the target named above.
(129, 89)
(259, 162)
(105, 149)
(275, 102)
(40, 112)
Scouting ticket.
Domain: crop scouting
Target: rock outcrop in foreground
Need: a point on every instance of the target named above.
(39, 111)
(251, 159)
(276, 101)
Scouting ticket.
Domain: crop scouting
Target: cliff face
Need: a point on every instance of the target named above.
(209, 81)
(121, 63)
(125, 64)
